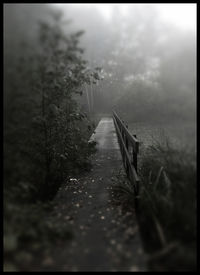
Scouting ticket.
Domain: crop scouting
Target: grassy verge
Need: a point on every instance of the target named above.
(30, 230)
(28, 233)
(166, 206)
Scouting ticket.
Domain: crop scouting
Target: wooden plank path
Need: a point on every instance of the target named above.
(103, 238)
(106, 137)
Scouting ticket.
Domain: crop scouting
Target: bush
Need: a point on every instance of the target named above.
(166, 205)
(168, 193)
(46, 136)
(28, 232)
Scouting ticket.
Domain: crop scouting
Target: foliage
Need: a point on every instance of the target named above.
(149, 65)
(155, 102)
(166, 205)
(45, 136)
(169, 178)
(28, 232)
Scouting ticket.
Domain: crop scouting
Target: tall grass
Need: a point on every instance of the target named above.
(166, 206)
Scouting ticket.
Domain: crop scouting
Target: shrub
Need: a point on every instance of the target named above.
(166, 205)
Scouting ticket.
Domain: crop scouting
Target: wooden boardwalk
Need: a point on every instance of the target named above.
(105, 136)
(103, 239)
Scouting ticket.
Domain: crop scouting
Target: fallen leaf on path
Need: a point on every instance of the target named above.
(47, 261)
(119, 247)
(112, 242)
(128, 255)
(67, 218)
(74, 269)
(86, 251)
(140, 251)
(134, 268)
(73, 180)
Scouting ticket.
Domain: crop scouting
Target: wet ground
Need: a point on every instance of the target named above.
(105, 238)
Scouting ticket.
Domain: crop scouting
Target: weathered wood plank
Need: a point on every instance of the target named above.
(130, 169)
(132, 139)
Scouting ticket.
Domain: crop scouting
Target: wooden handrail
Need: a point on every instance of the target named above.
(127, 142)
(132, 139)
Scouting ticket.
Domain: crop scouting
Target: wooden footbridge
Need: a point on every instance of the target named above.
(112, 133)
(104, 239)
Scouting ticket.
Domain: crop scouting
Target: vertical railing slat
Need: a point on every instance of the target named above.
(128, 142)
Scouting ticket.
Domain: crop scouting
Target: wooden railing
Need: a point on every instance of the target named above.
(129, 146)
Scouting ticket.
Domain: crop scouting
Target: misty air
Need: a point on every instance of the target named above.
(99, 137)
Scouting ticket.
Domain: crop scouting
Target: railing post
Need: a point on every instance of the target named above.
(126, 141)
(129, 157)
(135, 157)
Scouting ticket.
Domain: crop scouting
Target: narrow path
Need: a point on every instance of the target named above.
(104, 238)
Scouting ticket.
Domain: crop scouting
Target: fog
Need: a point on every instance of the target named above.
(67, 66)
(152, 46)
(136, 47)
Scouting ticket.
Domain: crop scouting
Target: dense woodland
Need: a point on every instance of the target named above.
(46, 132)
(60, 75)
(41, 114)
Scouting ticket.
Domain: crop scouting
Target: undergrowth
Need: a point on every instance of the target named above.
(166, 205)
(28, 233)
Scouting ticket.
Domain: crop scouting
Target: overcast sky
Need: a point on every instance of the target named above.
(181, 15)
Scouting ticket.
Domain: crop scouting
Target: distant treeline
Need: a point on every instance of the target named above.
(149, 66)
